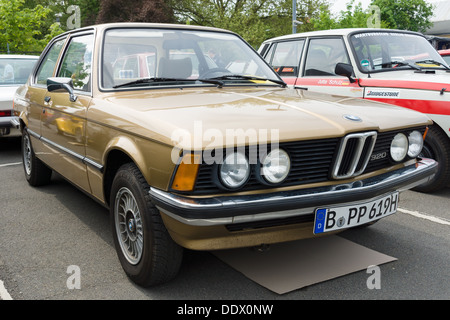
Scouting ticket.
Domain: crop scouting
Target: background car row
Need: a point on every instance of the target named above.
(14, 71)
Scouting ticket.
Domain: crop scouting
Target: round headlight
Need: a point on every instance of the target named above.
(276, 166)
(234, 171)
(399, 147)
(415, 144)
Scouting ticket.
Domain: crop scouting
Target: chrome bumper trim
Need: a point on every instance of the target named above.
(220, 210)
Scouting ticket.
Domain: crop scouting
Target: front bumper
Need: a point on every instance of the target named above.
(226, 210)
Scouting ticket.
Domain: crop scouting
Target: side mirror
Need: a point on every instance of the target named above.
(344, 69)
(54, 84)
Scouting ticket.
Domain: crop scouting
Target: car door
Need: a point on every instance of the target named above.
(63, 119)
(38, 89)
(318, 68)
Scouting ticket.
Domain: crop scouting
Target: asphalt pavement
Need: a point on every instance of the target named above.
(56, 244)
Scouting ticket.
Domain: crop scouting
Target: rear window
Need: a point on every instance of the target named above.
(15, 71)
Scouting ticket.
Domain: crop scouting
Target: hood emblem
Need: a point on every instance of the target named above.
(352, 117)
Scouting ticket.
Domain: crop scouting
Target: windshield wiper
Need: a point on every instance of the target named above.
(158, 79)
(244, 77)
(431, 61)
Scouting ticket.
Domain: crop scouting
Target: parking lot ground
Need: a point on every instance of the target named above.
(46, 231)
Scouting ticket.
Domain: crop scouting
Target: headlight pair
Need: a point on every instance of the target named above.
(403, 145)
(235, 170)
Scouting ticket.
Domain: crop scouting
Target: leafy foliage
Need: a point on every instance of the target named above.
(21, 28)
(411, 15)
(89, 10)
(254, 20)
(134, 11)
(27, 25)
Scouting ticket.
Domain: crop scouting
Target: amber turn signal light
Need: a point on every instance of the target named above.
(186, 174)
(425, 133)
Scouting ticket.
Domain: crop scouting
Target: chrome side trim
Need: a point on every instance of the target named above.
(75, 155)
(93, 164)
(34, 134)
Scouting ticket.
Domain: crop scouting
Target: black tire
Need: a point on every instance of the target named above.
(145, 249)
(437, 147)
(36, 172)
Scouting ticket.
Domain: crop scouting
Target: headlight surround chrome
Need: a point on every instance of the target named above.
(415, 140)
(399, 147)
(234, 171)
(275, 166)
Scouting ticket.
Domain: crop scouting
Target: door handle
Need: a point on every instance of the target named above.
(47, 99)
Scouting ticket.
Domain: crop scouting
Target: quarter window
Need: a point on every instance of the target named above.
(77, 62)
(48, 64)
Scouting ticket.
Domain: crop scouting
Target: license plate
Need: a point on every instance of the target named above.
(331, 219)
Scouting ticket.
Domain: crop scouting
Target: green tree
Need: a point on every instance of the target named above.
(325, 20)
(21, 27)
(353, 17)
(134, 11)
(411, 15)
(254, 20)
(89, 10)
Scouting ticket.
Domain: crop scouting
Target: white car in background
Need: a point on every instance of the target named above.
(391, 66)
(14, 71)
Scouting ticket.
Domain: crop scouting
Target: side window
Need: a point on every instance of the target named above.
(269, 54)
(48, 64)
(286, 57)
(323, 55)
(77, 61)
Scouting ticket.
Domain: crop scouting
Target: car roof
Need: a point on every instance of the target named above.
(18, 56)
(336, 32)
(147, 25)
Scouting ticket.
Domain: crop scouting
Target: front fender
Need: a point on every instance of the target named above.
(152, 158)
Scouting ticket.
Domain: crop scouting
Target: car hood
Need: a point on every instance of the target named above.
(212, 117)
(435, 81)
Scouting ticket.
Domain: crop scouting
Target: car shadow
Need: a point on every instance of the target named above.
(9, 148)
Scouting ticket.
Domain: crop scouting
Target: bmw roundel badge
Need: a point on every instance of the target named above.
(352, 117)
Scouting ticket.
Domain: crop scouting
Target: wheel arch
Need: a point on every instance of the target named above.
(441, 123)
(119, 152)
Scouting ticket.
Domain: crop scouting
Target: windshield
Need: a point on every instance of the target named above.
(15, 71)
(447, 59)
(387, 51)
(130, 55)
